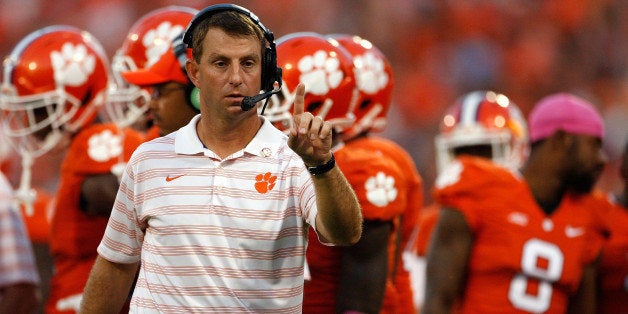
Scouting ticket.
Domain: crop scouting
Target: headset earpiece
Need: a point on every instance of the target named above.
(192, 96)
(195, 98)
(270, 71)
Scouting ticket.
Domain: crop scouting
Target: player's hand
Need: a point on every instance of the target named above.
(310, 136)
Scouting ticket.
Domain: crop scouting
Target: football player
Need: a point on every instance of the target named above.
(510, 242)
(481, 123)
(613, 266)
(374, 84)
(55, 80)
(146, 45)
(327, 68)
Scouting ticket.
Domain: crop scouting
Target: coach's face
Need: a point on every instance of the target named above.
(229, 69)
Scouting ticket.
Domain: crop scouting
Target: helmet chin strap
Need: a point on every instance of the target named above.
(25, 195)
(53, 139)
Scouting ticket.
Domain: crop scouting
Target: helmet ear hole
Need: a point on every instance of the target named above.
(87, 97)
(365, 104)
(313, 106)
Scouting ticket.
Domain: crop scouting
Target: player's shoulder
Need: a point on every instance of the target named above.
(94, 129)
(133, 137)
(97, 142)
(596, 201)
(387, 148)
(604, 208)
(376, 180)
(384, 144)
(474, 172)
(355, 158)
(151, 133)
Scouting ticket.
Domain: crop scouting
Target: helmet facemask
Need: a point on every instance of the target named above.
(126, 103)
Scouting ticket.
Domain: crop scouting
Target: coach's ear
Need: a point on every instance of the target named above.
(192, 68)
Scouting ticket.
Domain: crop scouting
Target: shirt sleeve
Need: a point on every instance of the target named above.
(17, 261)
(124, 234)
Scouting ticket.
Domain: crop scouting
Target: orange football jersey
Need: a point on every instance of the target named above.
(378, 160)
(75, 235)
(522, 260)
(613, 265)
(152, 133)
(415, 254)
(38, 222)
(399, 299)
(375, 181)
(425, 226)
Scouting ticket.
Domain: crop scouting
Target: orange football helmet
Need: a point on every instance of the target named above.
(54, 82)
(483, 118)
(327, 72)
(374, 81)
(148, 39)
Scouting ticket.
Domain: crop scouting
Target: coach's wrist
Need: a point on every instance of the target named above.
(322, 168)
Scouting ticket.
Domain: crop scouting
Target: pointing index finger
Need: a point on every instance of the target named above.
(299, 99)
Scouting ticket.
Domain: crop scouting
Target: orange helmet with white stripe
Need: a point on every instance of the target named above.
(483, 118)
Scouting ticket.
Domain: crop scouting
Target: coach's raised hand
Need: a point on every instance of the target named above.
(310, 136)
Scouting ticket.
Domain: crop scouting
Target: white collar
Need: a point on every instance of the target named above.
(265, 143)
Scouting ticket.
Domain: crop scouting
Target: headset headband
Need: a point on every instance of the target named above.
(213, 9)
(270, 71)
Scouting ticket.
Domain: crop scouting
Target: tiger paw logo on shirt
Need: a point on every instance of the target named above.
(265, 182)
(380, 189)
(104, 146)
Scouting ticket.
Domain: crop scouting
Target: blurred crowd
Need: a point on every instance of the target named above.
(438, 50)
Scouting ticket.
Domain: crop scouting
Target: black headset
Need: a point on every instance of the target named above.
(270, 71)
(192, 95)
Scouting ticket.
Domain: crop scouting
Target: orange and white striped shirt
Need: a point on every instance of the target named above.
(214, 235)
(17, 262)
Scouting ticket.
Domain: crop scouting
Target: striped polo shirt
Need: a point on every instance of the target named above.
(17, 262)
(213, 235)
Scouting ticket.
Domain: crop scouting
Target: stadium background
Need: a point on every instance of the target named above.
(438, 50)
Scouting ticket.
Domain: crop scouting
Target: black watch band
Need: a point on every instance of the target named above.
(324, 168)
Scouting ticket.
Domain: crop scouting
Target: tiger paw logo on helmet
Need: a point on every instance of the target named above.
(73, 64)
(320, 72)
(371, 77)
(157, 41)
(326, 69)
(380, 189)
(104, 146)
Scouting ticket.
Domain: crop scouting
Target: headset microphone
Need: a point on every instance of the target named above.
(249, 101)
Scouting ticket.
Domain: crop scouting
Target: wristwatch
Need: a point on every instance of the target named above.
(324, 168)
